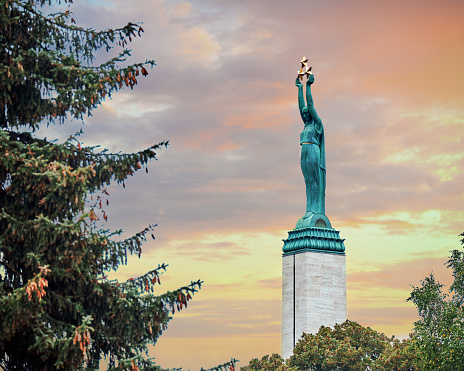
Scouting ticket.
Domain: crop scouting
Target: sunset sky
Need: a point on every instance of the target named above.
(389, 88)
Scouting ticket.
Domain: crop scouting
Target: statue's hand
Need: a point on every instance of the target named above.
(298, 82)
(310, 79)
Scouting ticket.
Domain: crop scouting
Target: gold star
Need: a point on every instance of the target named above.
(301, 73)
(308, 71)
(305, 70)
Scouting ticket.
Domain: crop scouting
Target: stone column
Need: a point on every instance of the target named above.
(313, 283)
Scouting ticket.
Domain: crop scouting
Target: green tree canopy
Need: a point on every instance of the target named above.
(57, 308)
(269, 363)
(347, 347)
(350, 346)
(440, 330)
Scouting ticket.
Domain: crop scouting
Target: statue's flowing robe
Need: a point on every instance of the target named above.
(313, 163)
(323, 171)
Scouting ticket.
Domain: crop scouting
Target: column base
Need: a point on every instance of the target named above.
(313, 294)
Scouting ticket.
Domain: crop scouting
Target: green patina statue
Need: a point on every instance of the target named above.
(313, 231)
(312, 151)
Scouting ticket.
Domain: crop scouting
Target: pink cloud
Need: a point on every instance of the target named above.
(400, 275)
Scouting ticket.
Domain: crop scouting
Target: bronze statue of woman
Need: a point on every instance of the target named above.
(312, 151)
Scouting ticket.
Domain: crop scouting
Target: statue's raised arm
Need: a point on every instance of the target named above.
(310, 102)
(301, 102)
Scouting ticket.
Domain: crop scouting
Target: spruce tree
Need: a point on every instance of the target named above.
(57, 308)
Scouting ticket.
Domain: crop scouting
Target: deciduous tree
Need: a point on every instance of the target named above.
(269, 363)
(350, 346)
(440, 331)
(347, 347)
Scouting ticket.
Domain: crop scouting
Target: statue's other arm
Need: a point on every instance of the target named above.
(311, 109)
(301, 102)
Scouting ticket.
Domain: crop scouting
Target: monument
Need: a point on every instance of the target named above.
(313, 261)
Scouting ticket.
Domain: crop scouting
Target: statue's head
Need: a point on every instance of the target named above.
(310, 79)
(305, 113)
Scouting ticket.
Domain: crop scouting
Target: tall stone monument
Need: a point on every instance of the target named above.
(313, 261)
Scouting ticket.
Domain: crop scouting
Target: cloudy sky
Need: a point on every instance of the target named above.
(389, 89)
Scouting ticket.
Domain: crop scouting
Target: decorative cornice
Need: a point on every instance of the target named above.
(316, 239)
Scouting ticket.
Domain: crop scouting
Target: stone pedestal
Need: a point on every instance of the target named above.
(313, 283)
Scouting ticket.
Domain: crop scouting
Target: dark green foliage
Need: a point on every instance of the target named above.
(440, 333)
(46, 71)
(273, 363)
(346, 347)
(57, 309)
(350, 346)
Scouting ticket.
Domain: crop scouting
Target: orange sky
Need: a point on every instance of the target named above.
(389, 90)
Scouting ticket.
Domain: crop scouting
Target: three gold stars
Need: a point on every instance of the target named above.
(305, 70)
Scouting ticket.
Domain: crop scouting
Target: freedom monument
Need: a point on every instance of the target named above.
(313, 261)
